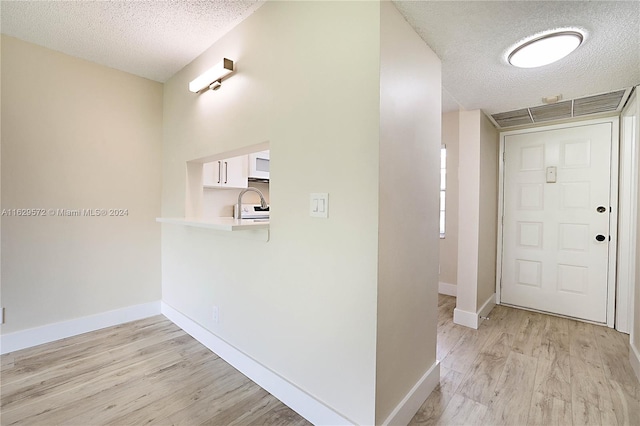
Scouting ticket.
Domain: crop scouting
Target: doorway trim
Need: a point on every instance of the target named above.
(613, 222)
(628, 215)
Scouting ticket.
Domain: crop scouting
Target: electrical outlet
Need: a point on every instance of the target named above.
(215, 315)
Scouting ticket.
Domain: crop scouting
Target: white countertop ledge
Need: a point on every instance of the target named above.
(217, 223)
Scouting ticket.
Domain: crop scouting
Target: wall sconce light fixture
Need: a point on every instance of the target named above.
(212, 78)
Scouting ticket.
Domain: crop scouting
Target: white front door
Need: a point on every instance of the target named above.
(557, 210)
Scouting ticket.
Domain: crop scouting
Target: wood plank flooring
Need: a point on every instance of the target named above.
(518, 368)
(143, 372)
(525, 368)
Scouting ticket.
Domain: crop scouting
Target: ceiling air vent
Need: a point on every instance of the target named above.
(590, 105)
(551, 112)
(597, 104)
(513, 118)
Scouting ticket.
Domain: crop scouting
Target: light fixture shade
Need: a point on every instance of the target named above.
(545, 49)
(216, 73)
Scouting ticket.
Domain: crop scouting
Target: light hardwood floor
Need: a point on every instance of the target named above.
(518, 368)
(526, 368)
(143, 372)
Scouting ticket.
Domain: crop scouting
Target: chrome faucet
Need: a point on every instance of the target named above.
(263, 202)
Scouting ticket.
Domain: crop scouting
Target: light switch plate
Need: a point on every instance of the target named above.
(319, 204)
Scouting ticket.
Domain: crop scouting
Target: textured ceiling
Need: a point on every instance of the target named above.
(152, 39)
(472, 37)
(155, 39)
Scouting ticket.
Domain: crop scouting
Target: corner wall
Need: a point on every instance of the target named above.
(477, 217)
(76, 135)
(410, 139)
(468, 214)
(487, 237)
(303, 304)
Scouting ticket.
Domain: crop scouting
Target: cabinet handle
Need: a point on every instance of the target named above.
(219, 172)
(226, 172)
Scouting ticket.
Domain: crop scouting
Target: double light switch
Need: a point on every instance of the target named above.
(319, 206)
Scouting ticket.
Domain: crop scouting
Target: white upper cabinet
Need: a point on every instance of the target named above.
(228, 173)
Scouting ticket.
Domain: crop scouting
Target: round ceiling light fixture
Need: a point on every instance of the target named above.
(545, 49)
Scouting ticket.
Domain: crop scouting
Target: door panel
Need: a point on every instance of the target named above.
(554, 182)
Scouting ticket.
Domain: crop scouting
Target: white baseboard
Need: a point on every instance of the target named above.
(448, 289)
(466, 318)
(412, 402)
(304, 404)
(51, 332)
(488, 305)
(474, 319)
(634, 358)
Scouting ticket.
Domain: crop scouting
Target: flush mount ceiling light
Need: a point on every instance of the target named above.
(545, 49)
(212, 78)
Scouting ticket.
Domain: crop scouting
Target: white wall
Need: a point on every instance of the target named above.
(634, 354)
(477, 215)
(468, 210)
(635, 328)
(344, 308)
(410, 121)
(488, 217)
(1, 301)
(449, 244)
(76, 135)
(304, 303)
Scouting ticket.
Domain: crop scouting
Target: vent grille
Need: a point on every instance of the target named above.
(551, 112)
(597, 104)
(513, 118)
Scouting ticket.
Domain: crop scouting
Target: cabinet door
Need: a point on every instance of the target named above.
(211, 174)
(228, 173)
(235, 172)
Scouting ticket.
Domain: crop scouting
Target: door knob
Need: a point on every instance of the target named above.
(600, 237)
(601, 209)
